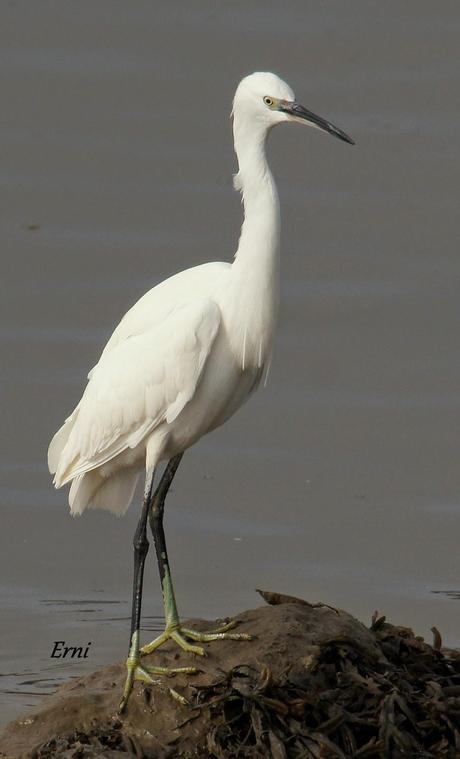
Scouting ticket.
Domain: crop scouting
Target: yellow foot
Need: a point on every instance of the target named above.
(146, 675)
(180, 634)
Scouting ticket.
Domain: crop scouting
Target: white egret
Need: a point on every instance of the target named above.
(182, 360)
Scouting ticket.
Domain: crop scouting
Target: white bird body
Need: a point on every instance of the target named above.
(183, 359)
(190, 352)
(161, 383)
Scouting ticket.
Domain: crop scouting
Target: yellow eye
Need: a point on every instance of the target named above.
(268, 101)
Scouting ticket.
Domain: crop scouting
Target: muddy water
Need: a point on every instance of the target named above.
(340, 481)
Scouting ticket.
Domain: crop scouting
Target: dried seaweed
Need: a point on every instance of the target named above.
(108, 741)
(342, 705)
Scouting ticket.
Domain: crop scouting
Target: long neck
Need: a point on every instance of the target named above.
(259, 239)
(256, 267)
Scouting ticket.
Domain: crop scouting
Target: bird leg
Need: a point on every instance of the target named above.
(141, 547)
(173, 628)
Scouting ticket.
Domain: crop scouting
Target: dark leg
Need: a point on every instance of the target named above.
(173, 628)
(156, 524)
(141, 547)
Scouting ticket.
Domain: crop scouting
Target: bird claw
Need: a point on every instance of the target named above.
(180, 634)
(210, 635)
(178, 697)
(144, 674)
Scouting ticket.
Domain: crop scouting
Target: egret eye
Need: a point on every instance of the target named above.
(268, 101)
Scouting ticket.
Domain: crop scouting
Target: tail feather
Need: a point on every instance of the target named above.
(59, 441)
(93, 491)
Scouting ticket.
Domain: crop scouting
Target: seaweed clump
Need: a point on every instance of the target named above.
(105, 742)
(339, 702)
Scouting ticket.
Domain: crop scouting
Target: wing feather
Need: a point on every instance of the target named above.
(142, 381)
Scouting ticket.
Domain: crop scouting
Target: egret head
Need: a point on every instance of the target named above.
(267, 100)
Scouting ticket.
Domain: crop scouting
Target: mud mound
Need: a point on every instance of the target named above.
(314, 683)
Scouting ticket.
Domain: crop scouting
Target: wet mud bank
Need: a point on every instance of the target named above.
(314, 682)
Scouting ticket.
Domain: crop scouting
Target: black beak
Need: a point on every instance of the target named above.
(299, 112)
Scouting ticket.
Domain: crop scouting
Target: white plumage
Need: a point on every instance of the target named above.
(180, 363)
(191, 350)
